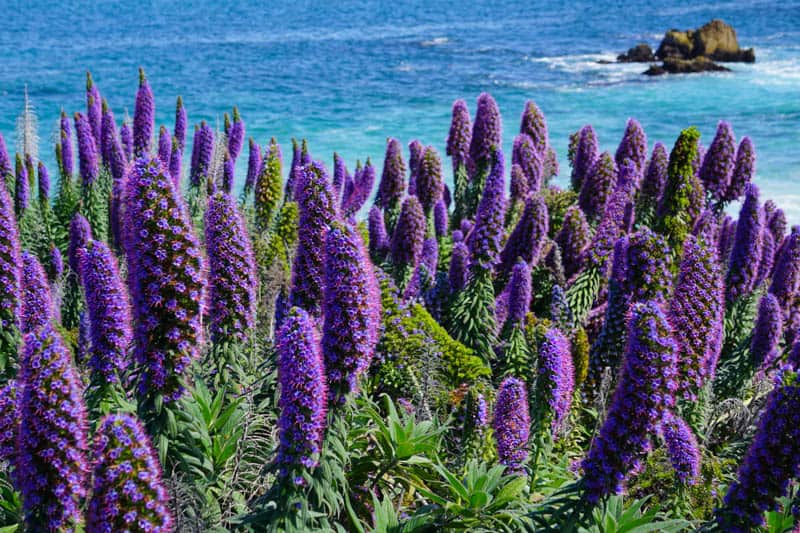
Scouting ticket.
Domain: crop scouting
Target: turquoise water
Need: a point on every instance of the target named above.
(346, 75)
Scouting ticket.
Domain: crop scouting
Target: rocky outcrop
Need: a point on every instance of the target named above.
(675, 65)
(641, 53)
(716, 41)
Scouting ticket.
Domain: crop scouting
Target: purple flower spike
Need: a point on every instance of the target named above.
(696, 315)
(109, 312)
(429, 180)
(340, 173)
(572, 239)
(87, 150)
(37, 305)
(393, 179)
(459, 267)
(598, 187)
(525, 155)
(746, 253)
(767, 333)
(776, 221)
(556, 377)
(56, 269)
(408, 233)
(165, 277)
(352, 312)
(415, 150)
(44, 183)
(9, 420)
(767, 257)
(362, 189)
(143, 117)
(126, 138)
(719, 162)
(655, 178)
(65, 138)
(236, 135)
(529, 235)
(770, 463)
(487, 131)
(127, 480)
(108, 135)
(175, 160)
(317, 210)
(21, 187)
(519, 294)
(460, 136)
(233, 279)
(519, 188)
(586, 154)
(682, 448)
(440, 219)
(634, 147)
(646, 390)
(254, 162)
(512, 424)
(164, 146)
(202, 153)
(743, 171)
(610, 227)
(80, 233)
(304, 396)
(179, 131)
(786, 276)
(534, 125)
(484, 240)
(51, 466)
(378, 240)
(94, 108)
(649, 275)
(227, 173)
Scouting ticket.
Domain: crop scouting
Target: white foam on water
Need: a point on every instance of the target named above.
(436, 41)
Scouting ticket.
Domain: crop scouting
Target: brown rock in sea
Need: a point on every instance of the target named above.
(641, 53)
(675, 65)
(715, 40)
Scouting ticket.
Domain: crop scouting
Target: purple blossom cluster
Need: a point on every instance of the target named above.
(772, 460)
(378, 239)
(649, 258)
(202, 155)
(181, 123)
(746, 252)
(598, 187)
(9, 420)
(487, 131)
(166, 279)
(512, 424)
(254, 163)
(393, 179)
(143, 117)
(655, 176)
(696, 314)
(525, 156)
(718, 163)
(430, 185)
(743, 171)
(485, 239)
(409, 233)
(460, 136)
(65, 141)
(317, 210)
(646, 391)
(22, 191)
(303, 396)
(108, 311)
(129, 493)
(786, 274)
(556, 382)
(352, 312)
(586, 153)
(236, 135)
(534, 125)
(609, 229)
(633, 146)
(37, 305)
(528, 237)
(10, 263)
(52, 470)
(519, 294)
(682, 448)
(232, 276)
(767, 332)
(459, 267)
(572, 239)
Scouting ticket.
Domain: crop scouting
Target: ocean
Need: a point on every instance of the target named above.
(346, 75)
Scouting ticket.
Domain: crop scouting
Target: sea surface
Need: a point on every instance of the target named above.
(346, 75)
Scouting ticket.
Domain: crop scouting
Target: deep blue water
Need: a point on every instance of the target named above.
(346, 75)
